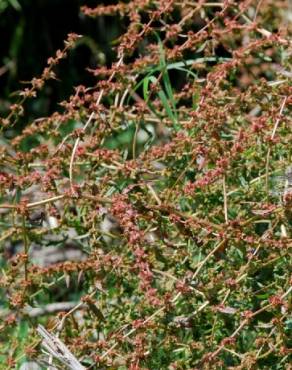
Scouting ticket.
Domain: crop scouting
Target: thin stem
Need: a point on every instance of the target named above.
(218, 246)
(90, 118)
(272, 137)
(225, 200)
(26, 246)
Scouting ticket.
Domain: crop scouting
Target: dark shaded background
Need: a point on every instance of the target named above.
(32, 30)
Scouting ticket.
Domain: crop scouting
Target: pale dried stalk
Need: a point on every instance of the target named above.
(58, 350)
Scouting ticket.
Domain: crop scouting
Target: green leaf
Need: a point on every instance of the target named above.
(15, 4)
(167, 108)
(146, 94)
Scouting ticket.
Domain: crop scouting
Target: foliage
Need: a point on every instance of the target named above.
(6, 3)
(159, 182)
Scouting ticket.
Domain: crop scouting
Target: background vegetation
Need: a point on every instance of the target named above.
(31, 31)
(145, 185)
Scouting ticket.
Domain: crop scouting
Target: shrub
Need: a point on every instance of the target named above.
(147, 223)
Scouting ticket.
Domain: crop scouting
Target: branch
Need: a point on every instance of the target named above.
(49, 309)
